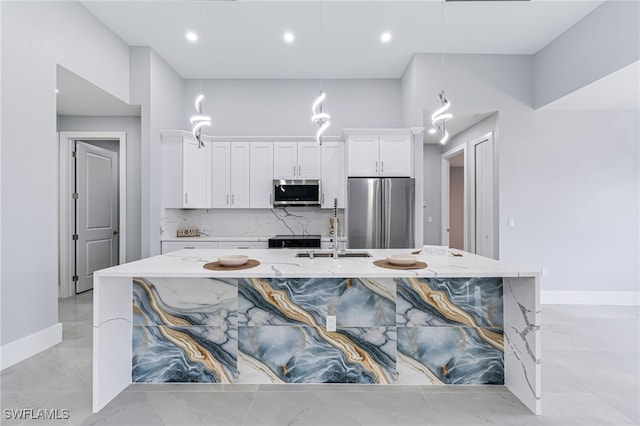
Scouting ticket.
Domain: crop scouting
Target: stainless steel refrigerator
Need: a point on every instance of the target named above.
(380, 212)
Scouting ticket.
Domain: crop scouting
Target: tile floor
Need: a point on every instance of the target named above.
(590, 376)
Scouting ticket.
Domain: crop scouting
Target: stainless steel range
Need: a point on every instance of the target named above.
(294, 241)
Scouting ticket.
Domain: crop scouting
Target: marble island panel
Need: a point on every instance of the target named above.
(462, 320)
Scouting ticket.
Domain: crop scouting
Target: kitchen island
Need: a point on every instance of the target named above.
(461, 320)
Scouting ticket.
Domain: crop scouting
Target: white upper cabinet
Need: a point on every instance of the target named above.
(296, 160)
(186, 173)
(220, 175)
(333, 181)
(230, 174)
(240, 171)
(261, 175)
(387, 155)
(395, 155)
(309, 160)
(363, 152)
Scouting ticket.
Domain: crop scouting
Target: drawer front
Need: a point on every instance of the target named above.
(169, 246)
(243, 245)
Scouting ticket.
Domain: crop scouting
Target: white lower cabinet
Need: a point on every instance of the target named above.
(243, 244)
(230, 174)
(169, 246)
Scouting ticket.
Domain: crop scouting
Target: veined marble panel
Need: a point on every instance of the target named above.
(447, 355)
(163, 354)
(185, 330)
(469, 302)
(183, 302)
(356, 302)
(522, 340)
(296, 354)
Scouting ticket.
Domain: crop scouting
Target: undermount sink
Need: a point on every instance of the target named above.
(325, 253)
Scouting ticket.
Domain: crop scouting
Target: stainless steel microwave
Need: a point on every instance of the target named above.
(296, 193)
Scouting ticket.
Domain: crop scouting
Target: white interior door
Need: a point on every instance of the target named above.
(96, 212)
(483, 155)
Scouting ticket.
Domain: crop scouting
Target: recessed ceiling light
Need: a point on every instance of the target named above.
(191, 36)
(432, 131)
(385, 37)
(288, 37)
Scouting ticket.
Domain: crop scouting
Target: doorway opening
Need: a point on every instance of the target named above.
(468, 197)
(92, 206)
(454, 198)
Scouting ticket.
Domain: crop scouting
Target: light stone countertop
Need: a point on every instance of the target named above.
(284, 263)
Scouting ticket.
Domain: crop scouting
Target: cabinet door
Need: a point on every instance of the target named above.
(196, 169)
(239, 171)
(309, 160)
(395, 155)
(261, 175)
(333, 181)
(285, 160)
(362, 153)
(220, 175)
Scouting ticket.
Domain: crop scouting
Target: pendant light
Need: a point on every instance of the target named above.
(440, 116)
(322, 119)
(199, 121)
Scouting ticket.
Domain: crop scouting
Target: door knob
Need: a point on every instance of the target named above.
(115, 232)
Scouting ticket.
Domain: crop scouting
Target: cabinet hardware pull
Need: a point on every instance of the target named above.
(376, 167)
(227, 198)
(382, 167)
(299, 170)
(294, 170)
(233, 199)
(186, 198)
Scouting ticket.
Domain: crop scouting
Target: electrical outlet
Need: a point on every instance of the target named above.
(544, 271)
(331, 323)
(512, 222)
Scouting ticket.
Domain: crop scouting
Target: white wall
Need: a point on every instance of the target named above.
(160, 92)
(130, 125)
(37, 36)
(560, 221)
(283, 107)
(604, 41)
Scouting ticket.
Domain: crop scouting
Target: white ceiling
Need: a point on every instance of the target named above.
(336, 39)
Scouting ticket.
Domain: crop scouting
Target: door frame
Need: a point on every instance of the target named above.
(444, 195)
(66, 217)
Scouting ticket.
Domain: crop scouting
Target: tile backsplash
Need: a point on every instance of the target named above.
(249, 222)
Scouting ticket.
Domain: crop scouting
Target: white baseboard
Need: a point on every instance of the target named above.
(21, 349)
(619, 298)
